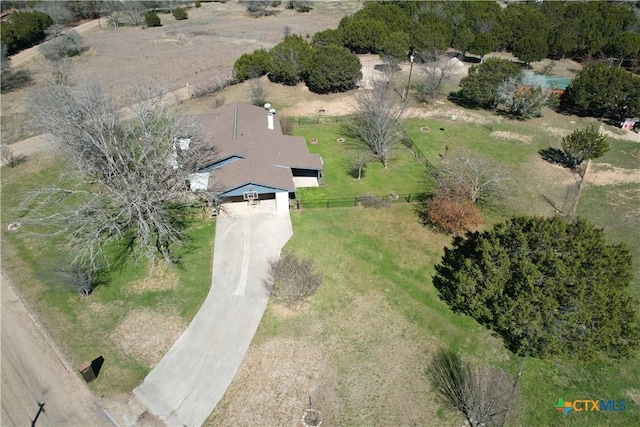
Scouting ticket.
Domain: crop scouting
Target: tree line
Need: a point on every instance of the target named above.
(531, 31)
(324, 69)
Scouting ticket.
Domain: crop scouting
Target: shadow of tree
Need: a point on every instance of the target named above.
(16, 80)
(556, 156)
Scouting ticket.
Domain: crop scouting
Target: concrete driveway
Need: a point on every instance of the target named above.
(188, 383)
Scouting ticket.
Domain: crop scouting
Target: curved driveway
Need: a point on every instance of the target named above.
(188, 383)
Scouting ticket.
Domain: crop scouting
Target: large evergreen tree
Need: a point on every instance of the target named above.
(550, 288)
(480, 86)
(24, 29)
(288, 59)
(251, 65)
(603, 91)
(332, 69)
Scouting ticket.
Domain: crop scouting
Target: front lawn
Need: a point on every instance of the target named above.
(132, 319)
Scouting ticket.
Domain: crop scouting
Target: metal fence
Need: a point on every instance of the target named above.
(357, 201)
(300, 121)
(407, 141)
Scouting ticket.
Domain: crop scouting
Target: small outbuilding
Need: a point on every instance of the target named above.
(253, 159)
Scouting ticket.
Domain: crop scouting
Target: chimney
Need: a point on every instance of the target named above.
(270, 114)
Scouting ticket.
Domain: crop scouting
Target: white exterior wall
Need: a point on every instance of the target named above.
(282, 201)
(199, 181)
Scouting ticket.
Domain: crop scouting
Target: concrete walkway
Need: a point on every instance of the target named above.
(188, 383)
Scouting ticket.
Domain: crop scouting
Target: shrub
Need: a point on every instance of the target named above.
(291, 280)
(286, 124)
(198, 4)
(211, 85)
(450, 216)
(68, 43)
(251, 65)
(152, 19)
(8, 157)
(369, 201)
(74, 275)
(180, 14)
(299, 6)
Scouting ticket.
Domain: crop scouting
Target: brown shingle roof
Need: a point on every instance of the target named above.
(266, 155)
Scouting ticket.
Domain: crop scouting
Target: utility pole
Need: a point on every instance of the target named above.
(406, 91)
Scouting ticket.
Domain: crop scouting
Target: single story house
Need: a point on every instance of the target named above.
(253, 159)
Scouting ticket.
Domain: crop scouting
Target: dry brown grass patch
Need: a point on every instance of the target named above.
(606, 174)
(146, 335)
(633, 394)
(159, 278)
(512, 136)
(360, 365)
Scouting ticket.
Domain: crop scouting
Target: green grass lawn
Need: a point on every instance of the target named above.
(89, 327)
(366, 251)
(404, 175)
(377, 317)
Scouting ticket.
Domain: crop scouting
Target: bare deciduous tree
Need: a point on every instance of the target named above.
(482, 395)
(520, 100)
(131, 170)
(470, 177)
(428, 88)
(125, 12)
(378, 112)
(358, 163)
(257, 92)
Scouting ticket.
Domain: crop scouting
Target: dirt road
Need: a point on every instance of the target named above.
(34, 373)
(32, 52)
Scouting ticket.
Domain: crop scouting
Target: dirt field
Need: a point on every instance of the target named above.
(179, 52)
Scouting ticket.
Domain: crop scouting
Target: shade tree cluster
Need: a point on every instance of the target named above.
(600, 90)
(604, 91)
(499, 83)
(323, 69)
